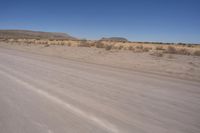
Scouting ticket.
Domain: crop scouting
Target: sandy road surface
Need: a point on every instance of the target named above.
(41, 94)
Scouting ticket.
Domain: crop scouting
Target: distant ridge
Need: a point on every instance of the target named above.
(28, 34)
(114, 39)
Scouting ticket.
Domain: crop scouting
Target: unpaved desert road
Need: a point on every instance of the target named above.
(41, 94)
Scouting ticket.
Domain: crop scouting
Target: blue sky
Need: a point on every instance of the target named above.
(137, 20)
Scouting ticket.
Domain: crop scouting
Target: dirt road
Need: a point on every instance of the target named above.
(43, 94)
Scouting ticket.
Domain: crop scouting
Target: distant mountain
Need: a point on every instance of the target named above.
(114, 39)
(27, 34)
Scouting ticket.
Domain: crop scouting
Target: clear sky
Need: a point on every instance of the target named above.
(137, 20)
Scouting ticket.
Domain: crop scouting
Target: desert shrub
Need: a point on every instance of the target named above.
(183, 51)
(84, 43)
(69, 44)
(115, 47)
(182, 44)
(54, 43)
(120, 47)
(146, 49)
(130, 48)
(92, 44)
(45, 42)
(189, 45)
(170, 56)
(15, 40)
(171, 50)
(157, 54)
(139, 47)
(108, 47)
(62, 43)
(6, 40)
(99, 44)
(197, 53)
(46, 45)
(29, 42)
(160, 48)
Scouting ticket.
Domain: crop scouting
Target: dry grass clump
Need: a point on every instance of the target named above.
(44, 42)
(160, 48)
(46, 45)
(174, 50)
(120, 47)
(183, 51)
(171, 50)
(189, 45)
(92, 44)
(84, 43)
(139, 47)
(69, 44)
(170, 56)
(196, 53)
(157, 54)
(108, 47)
(99, 44)
(62, 43)
(146, 49)
(130, 48)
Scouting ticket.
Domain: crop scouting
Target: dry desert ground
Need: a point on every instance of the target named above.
(181, 61)
(53, 86)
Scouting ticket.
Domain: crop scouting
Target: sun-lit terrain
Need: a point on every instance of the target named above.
(107, 66)
(175, 60)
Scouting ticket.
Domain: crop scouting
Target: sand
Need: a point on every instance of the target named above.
(178, 66)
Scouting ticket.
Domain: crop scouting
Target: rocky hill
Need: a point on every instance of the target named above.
(27, 34)
(114, 39)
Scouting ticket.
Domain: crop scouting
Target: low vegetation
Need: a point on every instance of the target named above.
(157, 54)
(171, 50)
(108, 47)
(99, 44)
(84, 43)
(196, 53)
(155, 49)
(159, 48)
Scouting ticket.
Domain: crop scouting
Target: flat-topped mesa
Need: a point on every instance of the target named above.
(117, 39)
(27, 34)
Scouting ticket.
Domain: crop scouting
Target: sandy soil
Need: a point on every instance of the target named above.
(179, 66)
(46, 94)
